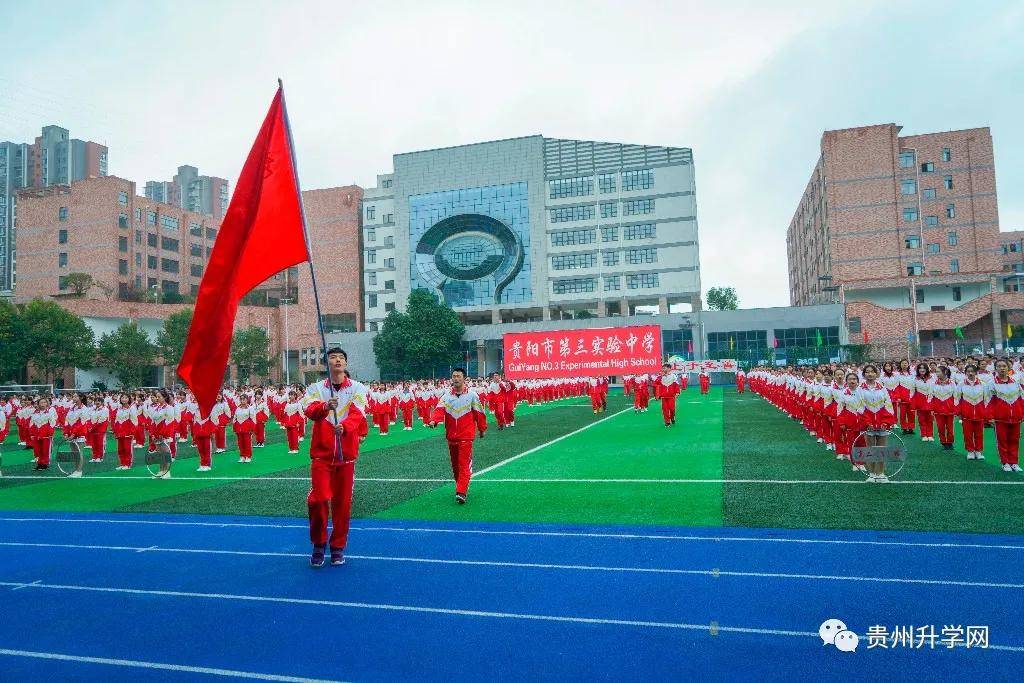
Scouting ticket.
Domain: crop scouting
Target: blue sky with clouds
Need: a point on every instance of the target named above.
(749, 86)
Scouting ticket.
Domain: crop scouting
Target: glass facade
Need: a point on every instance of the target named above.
(739, 340)
(807, 336)
(472, 246)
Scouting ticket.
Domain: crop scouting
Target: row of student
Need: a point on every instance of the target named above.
(837, 404)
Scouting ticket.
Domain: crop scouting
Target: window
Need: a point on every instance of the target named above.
(62, 237)
(636, 256)
(957, 294)
(742, 340)
(138, 214)
(371, 235)
(915, 268)
(62, 260)
(371, 280)
(611, 258)
(612, 283)
(62, 214)
(947, 182)
(643, 281)
(1018, 267)
(122, 220)
(169, 222)
(909, 215)
(950, 210)
(389, 218)
(606, 183)
(954, 267)
(804, 337)
(122, 198)
(389, 263)
(138, 237)
(138, 260)
(610, 234)
(637, 206)
(62, 282)
(371, 213)
(193, 290)
(151, 218)
(928, 193)
(644, 231)
(122, 266)
(574, 286)
(371, 256)
(389, 240)
(912, 242)
(947, 154)
(951, 239)
(195, 250)
(571, 187)
(195, 229)
(928, 167)
(169, 286)
(389, 306)
(122, 245)
(211, 234)
(906, 160)
(637, 180)
(169, 244)
(151, 262)
(853, 324)
(609, 209)
(931, 221)
(371, 301)
(566, 214)
(151, 239)
(196, 270)
(919, 295)
(1015, 247)
(389, 285)
(573, 261)
(567, 237)
(908, 186)
(933, 248)
(168, 265)
(386, 183)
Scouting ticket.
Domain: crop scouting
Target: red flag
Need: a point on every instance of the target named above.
(261, 235)
(867, 337)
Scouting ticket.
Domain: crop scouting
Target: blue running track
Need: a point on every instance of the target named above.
(134, 598)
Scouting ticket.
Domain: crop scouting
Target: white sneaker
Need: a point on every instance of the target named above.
(830, 447)
(292, 452)
(75, 475)
(122, 467)
(241, 460)
(978, 455)
(1016, 468)
(970, 455)
(96, 460)
(182, 439)
(1007, 468)
(219, 450)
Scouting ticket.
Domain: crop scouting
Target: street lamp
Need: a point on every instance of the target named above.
(287, 364)
(156, 293)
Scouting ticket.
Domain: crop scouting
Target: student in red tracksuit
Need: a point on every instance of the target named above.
(186, 416)
(973, 412)
(921, 399)
(511, 392)
(263, 411)
(902, 396)
(221, 415)
(741, 378)
(666, 389)
(124, 420)
(849, 417)
(293, 418)
(705, 382)
(1006, 409)
(463, 416)
(337, 407)
(407, 404)
(41, 428)
(641, 395)
(203, 429)
(945, 399)
(595, 394)
(243, 424)
(496, 399)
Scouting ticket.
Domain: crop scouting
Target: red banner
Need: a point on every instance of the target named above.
(583, 353)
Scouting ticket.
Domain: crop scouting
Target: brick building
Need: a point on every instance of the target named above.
(905, 231)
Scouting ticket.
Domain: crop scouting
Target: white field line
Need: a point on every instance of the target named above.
(716, 573)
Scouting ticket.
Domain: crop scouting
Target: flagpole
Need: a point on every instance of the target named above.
(302, 212)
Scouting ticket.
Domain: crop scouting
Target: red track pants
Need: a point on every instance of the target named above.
(906, 415)
(407, 417)
(1008, 441)
(974, 435)
(461, 454)
(98, 442)
(330, 493)
(924, 421)
(221, 438)
(204, 448)
(41, 448)
(244, 440)
(944, 423)
(292, 431)
(124, 450)
(261, 433)
(668, 409)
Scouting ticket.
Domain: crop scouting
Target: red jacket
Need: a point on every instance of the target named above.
(350, 414)
(463, 415)
(661, 390)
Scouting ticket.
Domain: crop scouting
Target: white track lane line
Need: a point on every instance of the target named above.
(545, 445)
(555, 534)
(440, 610)
(160, 666)
(716, 573)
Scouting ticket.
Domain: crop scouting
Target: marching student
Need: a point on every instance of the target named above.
(974, 395)
(292, 420)
(511, 392)
(76, 421)
(203, 429)
(705, 381)
(741, 378)
(945, 399)
(921, 399)
(165, 427)
(220, 415)
(902, 396)
(42, 425)
(667, 389)
(464, 418)
(641, 395)
(407, 404)
(243, 424)
(125, 419)
(849, 418)
(595, 394)
(186, 414)
(337, 408)
(97, 421)
(496, 397)
(879, 417)
(1006, 410)
(262, 410)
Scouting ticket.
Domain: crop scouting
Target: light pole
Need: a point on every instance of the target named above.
(156, 293)
(287, 365)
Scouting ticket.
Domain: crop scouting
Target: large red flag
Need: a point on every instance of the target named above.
(261, 235)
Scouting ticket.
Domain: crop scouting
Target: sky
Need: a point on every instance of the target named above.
(749, 86)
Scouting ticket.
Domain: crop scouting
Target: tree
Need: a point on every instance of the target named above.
(170, 340)
(13, 353)
(56, 339)
(426, 336)
(722, 299)
(250, 353)
(128, 353)
(79, 283)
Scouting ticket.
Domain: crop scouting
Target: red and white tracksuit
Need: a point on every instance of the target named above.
(945, 397)
(1006, 409)
(41, 428)
(124, 422)
(973, 413)
(921, 400)
(463, 416)
(666, 389)
(705, 382)
(203, 429)
(243, 424)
